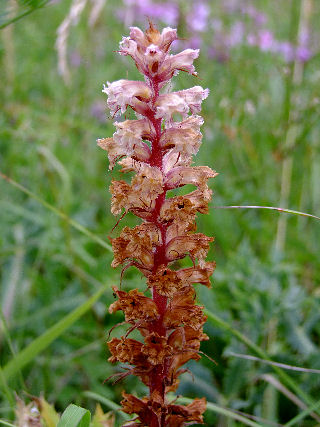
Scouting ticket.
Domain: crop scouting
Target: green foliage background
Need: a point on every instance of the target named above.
(48, 267)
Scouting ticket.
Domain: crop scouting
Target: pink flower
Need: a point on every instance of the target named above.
(150, 53)
(181, 102)
(196, 175)
(266, 40)
(182, 61)
(127, 141)
(184, 137)
(122, 93)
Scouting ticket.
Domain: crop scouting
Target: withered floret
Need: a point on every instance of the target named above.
(135, 305)
(156, 348)
(165, 281)
(179, 414)
(136, 244)
(197, 274)
(126, 350)
(183, 311)
(195, 245)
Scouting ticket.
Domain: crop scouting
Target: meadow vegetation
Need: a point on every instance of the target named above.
(261, 135)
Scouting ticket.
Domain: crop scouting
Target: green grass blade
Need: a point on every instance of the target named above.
(223, 411)
(5, 423)
(268, 362)
(26, 355)
(75, 416)
(107, 402)
(9, 341)
(59, 213)
(46, 312)
(25, 9)
(302, 414)
(272, 208)
(259, 352)
(6, 390)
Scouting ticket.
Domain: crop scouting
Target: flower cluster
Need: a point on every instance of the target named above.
(158, 149)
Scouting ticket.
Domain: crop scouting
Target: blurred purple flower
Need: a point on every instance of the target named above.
(303, 54)
(216, 24)
(219, 50)
(218, 53)
(236, 34)
(265, 40)
(231, 6)
(285, 49)
(304, 37)
(195, 42)
(138, 10)
(252, 32)
(75, 59)
(251, 39)
(235, 6)
(197, 18)
(98, 110)
(258, 17)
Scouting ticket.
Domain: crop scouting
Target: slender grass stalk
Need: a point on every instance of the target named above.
(300, 16)
(280, 365)
(272, 208)
(276, 385)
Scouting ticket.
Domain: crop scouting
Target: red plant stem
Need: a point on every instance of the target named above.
(158, 374)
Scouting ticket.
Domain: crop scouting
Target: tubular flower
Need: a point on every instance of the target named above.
(157, 150)
(128, 141)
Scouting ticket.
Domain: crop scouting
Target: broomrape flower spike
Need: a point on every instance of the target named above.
(159, 150)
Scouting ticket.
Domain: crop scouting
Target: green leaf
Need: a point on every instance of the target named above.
(26, 355)
(75, 416)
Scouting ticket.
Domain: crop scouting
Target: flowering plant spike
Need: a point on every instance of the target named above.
(158, 149)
